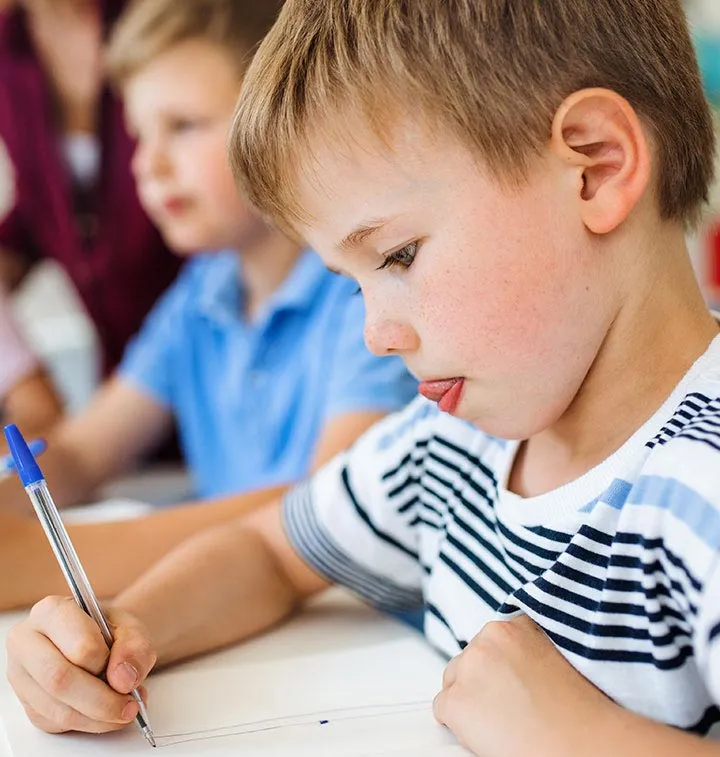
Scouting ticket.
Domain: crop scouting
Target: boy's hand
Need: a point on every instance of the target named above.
(511, 692)
(56, 656)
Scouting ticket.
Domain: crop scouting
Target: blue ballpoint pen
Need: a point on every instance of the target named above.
(7, 464)
(42, 502)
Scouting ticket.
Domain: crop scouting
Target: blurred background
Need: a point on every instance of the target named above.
(55, 323)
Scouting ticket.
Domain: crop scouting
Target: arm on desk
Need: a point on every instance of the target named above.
(219, 587)
(85, 451)
(114, 554)
(106, 548)
(33, 405)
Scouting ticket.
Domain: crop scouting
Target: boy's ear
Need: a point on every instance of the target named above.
(598, 133)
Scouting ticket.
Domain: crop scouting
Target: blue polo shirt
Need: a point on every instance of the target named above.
(251, 398)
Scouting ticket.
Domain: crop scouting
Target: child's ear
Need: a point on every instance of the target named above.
(597, 133)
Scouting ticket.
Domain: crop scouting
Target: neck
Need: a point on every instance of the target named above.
(661, 328)
(267, 262)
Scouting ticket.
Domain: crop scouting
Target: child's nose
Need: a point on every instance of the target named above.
(384, 336)
(149, 162)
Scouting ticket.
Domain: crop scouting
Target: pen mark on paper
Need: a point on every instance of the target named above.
(273, 724)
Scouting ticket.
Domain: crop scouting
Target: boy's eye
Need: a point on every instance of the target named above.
(404, 257)
(183, 124)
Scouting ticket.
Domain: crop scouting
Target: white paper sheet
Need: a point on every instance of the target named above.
(339, 681)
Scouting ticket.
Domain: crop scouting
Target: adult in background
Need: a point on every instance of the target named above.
(75, 195)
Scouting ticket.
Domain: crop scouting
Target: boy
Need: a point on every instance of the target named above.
(258, 354)
(512, 201)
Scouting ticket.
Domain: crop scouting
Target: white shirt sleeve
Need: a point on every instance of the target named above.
(354, 521)
(16, 358)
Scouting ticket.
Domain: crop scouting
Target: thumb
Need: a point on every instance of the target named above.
(132, 655)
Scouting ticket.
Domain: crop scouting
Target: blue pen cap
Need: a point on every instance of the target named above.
(27, 468)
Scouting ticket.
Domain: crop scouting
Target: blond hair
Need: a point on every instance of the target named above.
(493, 72)
(149, 28)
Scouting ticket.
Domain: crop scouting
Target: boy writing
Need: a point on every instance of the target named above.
(512, 202)
(257, 350)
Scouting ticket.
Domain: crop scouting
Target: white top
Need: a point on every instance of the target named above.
(82, 156)
(16, 358)
(621, 568)
(7, 182)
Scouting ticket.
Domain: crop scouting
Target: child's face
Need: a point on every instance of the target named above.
(180, 107)
(505, 290)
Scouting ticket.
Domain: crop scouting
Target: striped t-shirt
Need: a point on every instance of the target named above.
(620, 567)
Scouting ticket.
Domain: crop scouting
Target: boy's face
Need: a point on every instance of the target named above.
(502, 290)
(180, 107)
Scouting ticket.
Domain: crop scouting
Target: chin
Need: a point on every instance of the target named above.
(184, 244)
(509, 425)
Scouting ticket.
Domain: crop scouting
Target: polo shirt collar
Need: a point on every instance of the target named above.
(221, 298)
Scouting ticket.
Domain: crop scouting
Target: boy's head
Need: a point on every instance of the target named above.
(179, 66)
(479, 166)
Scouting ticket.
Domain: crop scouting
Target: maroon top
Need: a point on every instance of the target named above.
(113, 254)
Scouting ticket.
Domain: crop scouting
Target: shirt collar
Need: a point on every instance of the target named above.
(297, 291)
(221, 297)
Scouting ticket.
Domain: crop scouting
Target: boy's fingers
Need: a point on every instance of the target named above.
(132, 656)
(450, 672)
(69, 685)
(53, 716)
(72, 631)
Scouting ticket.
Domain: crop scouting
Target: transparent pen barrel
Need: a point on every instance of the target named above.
(67, 556)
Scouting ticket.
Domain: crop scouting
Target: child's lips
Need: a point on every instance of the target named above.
(445, 392)
(174, 205)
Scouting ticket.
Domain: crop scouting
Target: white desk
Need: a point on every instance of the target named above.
(336, 636)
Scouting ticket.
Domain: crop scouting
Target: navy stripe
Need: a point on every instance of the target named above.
(547, 533)
(408, 483)
(408, 505)
(710, 717)
(489, 600)
(387, 538)
(585, 555)
(463, 475)
(476, 461)
(599, 537)
(501, 584)
(621, 655)
(602, 631)
(531, 570)
(604, 606)
(466, 504)
(487, 545)
(617, 585)
(693, 438)
(714, 633)
(419, 520)
(666, 433)
(658, 543)
(406, 459)
(526, 546)
(430, 607)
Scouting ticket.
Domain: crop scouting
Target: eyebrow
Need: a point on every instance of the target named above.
(361, 233)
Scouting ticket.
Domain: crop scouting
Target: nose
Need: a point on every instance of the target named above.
(149, 160)
(386, 335)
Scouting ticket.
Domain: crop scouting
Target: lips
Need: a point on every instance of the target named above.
(174, 205)
(446, 392)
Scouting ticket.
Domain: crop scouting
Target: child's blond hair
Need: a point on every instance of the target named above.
(493, 72)
(149, 28)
